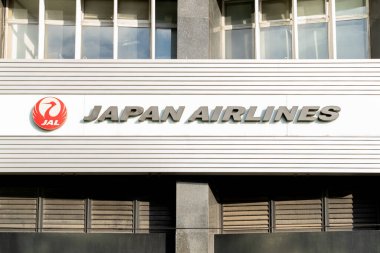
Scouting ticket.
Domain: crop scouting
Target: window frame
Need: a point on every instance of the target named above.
(80, 22)
(56, 22)
(294, 20)
(252, 25)
(9, 21)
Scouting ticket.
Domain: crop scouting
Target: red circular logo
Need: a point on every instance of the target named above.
(49, 113)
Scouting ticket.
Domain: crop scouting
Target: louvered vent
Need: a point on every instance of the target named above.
(298, 215)
(18, 214)
(155, 217)
(246, 217)
(63, 215)
(352, 212)
(111, 216)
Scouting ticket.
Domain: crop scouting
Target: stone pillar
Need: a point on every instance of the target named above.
(193, 29)
(198, 218)
(374, 15)
(2, 27)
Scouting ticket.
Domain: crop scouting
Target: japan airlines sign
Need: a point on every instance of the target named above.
(206, 114)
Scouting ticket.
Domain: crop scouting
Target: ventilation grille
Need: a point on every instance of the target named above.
(111, 216)
(246, 217)
(299, 215)
(63, 215)
(352, 212)
(18, 214)
(155, 217)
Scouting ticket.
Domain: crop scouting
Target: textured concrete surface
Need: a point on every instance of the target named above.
(330, 242)
(193, 8)
(375, 28)
(196, 210)
(2, 27)
(193, 38)
(193, 29)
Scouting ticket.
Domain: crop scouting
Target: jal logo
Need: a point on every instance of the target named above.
(49, 113)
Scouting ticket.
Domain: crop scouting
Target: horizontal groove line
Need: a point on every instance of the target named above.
(195, 85)
(190, 144)
(207, 169)
(193, 138)
(202, 149)
(188, 158)
(194, 153)
(132, 163)
(85, 92)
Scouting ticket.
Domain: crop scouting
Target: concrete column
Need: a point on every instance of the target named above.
(197, 211)
(2, 27)
(193, 29)
(374, 7)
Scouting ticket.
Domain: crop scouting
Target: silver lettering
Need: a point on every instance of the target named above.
(94, 114)
(307, 114)
(131, 111)
(284, 112)
(216, 114)
(329, 113)
(170, 112)
(250, 117)
(200, 114)
(110, 114)
(150, 114)
(268, 114)
(234, 113)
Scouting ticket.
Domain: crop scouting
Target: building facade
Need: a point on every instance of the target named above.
(189, 126)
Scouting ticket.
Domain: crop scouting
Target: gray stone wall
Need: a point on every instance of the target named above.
(82, 243)
(374, 14)
(328, 242)
(193, 29)
(2, 28)
(196, 211)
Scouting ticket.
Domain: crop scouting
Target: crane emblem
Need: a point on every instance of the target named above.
(49, 113)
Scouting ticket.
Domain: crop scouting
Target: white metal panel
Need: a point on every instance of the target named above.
(349, 145)
(237, 154)
(190, 77)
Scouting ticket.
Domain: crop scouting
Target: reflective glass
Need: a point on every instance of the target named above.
(350, 7)
(133, 9)
(240, 13)
(166, 43)
(311, 7)
(166, 11)
(276, 9)
(352, 39)
(24, 9)
(60, 10)
(98, 9)
(23, 41)
(134, 43)
(60, 42)
(313, 41)
(276, 42)
(239, 44)
(97, 42)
